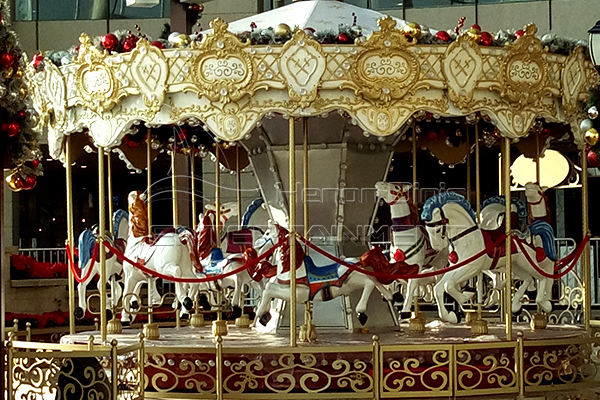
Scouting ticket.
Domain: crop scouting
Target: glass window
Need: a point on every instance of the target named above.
(26, 10)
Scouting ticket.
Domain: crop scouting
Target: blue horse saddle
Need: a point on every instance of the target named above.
(216, 256)
(323, 273)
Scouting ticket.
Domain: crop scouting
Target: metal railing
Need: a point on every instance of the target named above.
(45, 254)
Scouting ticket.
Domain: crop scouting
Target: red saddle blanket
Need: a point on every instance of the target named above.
(239, 241)
(489, 237)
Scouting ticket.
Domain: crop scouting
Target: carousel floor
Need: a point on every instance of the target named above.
(237, 337)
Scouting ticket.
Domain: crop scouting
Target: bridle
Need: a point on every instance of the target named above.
(444, 222)
(398, 193)
(535, 203)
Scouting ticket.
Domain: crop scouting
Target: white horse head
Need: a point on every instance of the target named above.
(392, 193)
(534, 192)
(267, 240)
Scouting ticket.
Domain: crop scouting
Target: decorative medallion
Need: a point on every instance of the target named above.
(224, 71)
(149, 70)
(385, 70)
(573, 81)
(302, 64)
(524, 73)
(462, 67)
(96, 83)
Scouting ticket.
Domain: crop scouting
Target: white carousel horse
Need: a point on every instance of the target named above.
(232, 254)
(114, 267)
(409, 242)
(319, 283)
(450, 222)
(168, 254)
(539, 219)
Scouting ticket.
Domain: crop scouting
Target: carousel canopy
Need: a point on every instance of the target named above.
(320, 15)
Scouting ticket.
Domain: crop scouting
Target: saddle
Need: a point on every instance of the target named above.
(491, 236)
(152, 240)
(238, 242)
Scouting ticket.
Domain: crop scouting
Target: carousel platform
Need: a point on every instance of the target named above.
(445, 361)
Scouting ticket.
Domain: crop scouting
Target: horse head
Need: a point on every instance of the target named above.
(534, 193)
(442, 212)
(120, 224)
(392, 193)
(226, 211)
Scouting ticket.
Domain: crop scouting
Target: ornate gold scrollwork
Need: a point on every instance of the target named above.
(150, 71)
(494, 368)
(524, 72)
(224, 71)
(302, 64)
(428, 372)
(462, 67)
(95, 82)
(386, 69)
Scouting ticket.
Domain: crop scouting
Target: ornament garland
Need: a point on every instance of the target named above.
(18, 141)
(591, 127)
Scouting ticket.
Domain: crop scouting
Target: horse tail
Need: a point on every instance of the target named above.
(189, 240)
(250, 210)
(545, 231)
(87, 241)
(118, 217)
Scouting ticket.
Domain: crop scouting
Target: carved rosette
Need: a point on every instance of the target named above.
(524, 72)
(149, 70)
(224, 71)
(462, 67)
(302, 64)
(385, 69)
(95, 80)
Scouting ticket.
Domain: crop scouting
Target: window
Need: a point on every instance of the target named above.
(48, 10)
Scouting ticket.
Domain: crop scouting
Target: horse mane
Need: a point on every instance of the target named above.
(285, 250)
(118, 216)
(440, 200)
(250, 210)
(207, 238)
(521, 209)
(414, 213)
(87, 240)
(138, 212)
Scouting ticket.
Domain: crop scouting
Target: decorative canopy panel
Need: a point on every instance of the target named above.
(379, 82)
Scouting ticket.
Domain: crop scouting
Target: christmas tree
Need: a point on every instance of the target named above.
(19, 143)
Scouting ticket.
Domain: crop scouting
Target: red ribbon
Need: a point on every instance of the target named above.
(147, 271)
(72, 264)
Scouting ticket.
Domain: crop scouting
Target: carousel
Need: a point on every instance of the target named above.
(396, 291)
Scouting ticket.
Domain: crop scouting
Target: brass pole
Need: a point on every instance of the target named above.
(102, 229)
(193, 188)
(70, 233)
(149, 179)
(376, 368)
(218, 193)
(507, 224)
(477, 178)
(538, 178)
(585, 258)
(305, 192)
(174, 188)
(414, 164)
(219, 362)
(239, 183)
(292, 223)
(110, 193)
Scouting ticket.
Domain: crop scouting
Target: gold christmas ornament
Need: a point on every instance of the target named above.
(23, 91)
(11, 180)
(19, 74)
(182, 40)
(412, 29)
(282, 30)
(8, 73)
(592, 136)
(474, 34)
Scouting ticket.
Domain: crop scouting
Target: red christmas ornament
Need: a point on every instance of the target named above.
(486, 39)
(399, 256)
(309, 29)
(343, 38)
(476, 26)
(20, 182)
(132, 143)
(158, 44)
(29, 182)
(37, 60)
(519, 33)
(432, 135)
(129, 43)
(592, 158)
(7, 59)
(109, 41)
(443, 36)
(22, 114)
(546, 132)
(197, 8)
(35, 163)
(453, 257)
(13, 128)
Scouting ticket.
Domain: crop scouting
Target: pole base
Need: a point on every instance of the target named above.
(307, 334)
(538, 322)
(114, 326)
(151, 331)
(417, 323)
(197, 320)
(219, 328)
(243, 321)
(479, 327)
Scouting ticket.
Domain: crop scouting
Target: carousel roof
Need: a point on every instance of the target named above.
(320, 15)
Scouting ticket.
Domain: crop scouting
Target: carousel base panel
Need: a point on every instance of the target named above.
(446, 361)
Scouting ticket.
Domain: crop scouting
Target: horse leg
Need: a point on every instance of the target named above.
(262, 312)
(543, 294)
(361, 306)
(516, 305)
(411, 287)
(236, 299)
(438, 293)
(81, 291)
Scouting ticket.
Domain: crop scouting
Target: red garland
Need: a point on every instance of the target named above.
(29, 268)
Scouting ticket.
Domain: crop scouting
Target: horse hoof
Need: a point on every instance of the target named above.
(405, 315)
(265, 318)
(109, 315)
(134, 305)
(188, 303)
(184, 317)
(204, 303)
(237, 312)
(362, 318)
(125, 323)
(79, 313)
(452, 318)
(398, 297)
(518, 312)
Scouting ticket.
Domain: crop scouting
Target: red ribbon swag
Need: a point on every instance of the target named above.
(570, 260)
